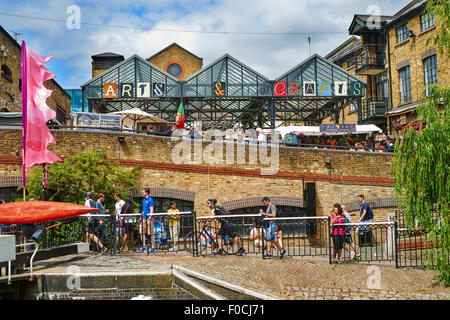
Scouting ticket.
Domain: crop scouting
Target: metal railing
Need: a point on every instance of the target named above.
(374, 107)
(414, 245)
(380, 242)
(299, 236)
(364, 241)
(372, 56)
(161, 232)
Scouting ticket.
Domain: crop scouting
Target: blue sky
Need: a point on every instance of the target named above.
(270, 55)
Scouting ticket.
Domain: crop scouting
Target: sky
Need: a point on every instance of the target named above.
(270, 36)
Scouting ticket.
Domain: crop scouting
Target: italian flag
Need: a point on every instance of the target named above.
(179, 121)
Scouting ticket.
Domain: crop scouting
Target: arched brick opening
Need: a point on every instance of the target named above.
(256, 202)
(374, 203)
(162, 192)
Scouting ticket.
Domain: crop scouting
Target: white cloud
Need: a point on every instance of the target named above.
(270, 55)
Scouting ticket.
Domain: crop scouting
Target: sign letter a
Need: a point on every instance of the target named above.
(110, 90)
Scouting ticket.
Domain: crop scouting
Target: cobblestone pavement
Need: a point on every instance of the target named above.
(288, 279)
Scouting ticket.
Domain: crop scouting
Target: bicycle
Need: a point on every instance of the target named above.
(229, 244)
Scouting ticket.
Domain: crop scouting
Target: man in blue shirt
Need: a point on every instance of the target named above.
(101, 226)
(363, 210)
(146, 225)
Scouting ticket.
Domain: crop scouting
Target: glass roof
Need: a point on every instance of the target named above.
(239, 80)
(225, 90)
(326, 72)
(134, 71)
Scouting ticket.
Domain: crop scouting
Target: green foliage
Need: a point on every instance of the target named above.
(440, 10)
(421, 168)
(87, 171)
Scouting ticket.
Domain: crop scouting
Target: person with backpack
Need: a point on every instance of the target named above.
(127, 208)
(365, 215)
(365, 211)
(348, 235)
(226, 227)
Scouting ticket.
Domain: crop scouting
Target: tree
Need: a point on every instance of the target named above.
(87, 171)
(421, 168)
(440, 10)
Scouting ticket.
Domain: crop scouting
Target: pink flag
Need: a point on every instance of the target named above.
(36, 135)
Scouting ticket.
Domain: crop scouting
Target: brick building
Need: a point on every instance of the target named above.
(11, 81)
(391, 54)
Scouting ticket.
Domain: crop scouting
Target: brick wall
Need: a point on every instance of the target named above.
(175, 54)
(411, 52)
(10, 91)
(367, 173)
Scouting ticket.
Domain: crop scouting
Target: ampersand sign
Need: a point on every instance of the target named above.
(219, 91)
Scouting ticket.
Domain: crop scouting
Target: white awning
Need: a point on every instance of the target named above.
(315, 130)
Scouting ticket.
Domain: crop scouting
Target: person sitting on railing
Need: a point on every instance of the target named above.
(256, 235)
(207, 236)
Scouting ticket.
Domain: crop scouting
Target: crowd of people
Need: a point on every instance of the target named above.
(266, 237)
(257, 136)
(147, 225)
(341, 232)
(348, 143)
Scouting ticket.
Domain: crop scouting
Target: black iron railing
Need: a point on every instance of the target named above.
(374, 108)
(373, 56)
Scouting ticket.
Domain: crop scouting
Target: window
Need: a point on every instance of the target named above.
(430, 72)
(426, 21)
(6, 73)
(352, 63)
(402, 33)
(60, 115)
(405, 84)
(381, 84)
(174, 69)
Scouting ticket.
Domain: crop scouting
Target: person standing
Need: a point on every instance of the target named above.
(101, 211)
(271, 236)
(120, 230)
(348, 235)
(174, 225)
(365, 211)
(128, 227)
(365, 214)
(92, 222)
(337, 232)
(261, 137)
(146, 224)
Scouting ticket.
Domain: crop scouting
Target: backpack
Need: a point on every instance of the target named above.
(369, 213)
(221, 211)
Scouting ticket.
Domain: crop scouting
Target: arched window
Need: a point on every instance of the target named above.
(6, 73)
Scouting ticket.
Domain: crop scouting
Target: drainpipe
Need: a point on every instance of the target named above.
(390, 78)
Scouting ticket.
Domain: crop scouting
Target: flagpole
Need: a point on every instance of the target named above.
(24, 110)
